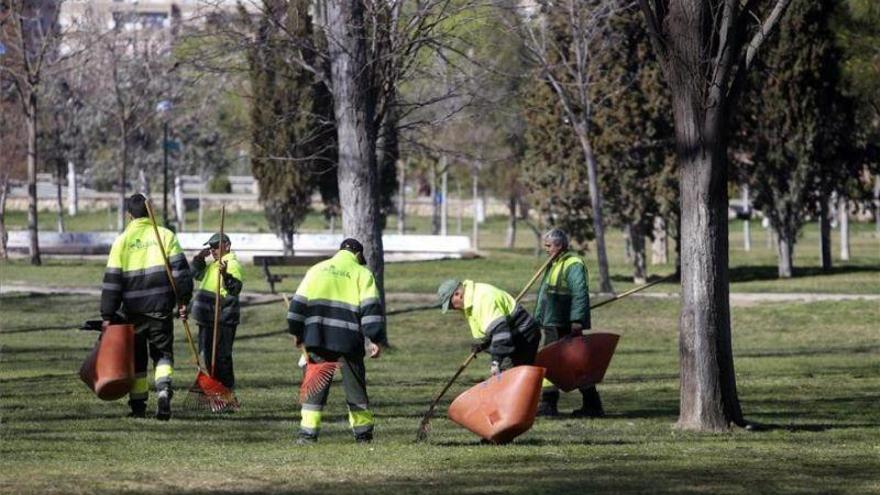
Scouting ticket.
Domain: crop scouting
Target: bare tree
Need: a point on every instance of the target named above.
(32, 34)
(563, 41)
(706, 48)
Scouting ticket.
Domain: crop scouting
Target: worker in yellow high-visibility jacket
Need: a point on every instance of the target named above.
(203, 305)
(136, 290)
(336, 307)
(499, 324)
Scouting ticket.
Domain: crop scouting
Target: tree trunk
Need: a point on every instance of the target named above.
(785, 251)
(747, 222)
(401, 198)
(72, 190)
(660, 245)
(511, 221)
(444, 198)
(843, 211)
(824, 234)
(435, 204)
(354, 109)
(287, 241)
(627, 246)
(877, 204)
(637, 238)
(596, 205)
(32, 179)
(475, 236)
(4, 236)
(59, 195)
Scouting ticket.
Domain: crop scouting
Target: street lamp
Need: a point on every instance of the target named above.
(163, 108)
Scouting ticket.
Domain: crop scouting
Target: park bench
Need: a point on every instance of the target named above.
(273, 278)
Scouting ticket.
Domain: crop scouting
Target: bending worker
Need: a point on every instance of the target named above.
(229, 269)
(335, 307)
(563, 309)
(498, 323)
(136, 282)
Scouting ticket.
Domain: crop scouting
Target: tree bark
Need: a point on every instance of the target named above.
(354, 109)
(785, 252)
(843, 211)
(32, 179)
(825, 234)
(596, 205)
(747, 222)
(511, 221)
(660, 245)
(4, 236)
(637, 238)
(877, 203)
(435, 204)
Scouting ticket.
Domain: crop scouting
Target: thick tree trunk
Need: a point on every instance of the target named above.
(511, 221)
(825, 234)
(34, 249)
(401, 198)
(747, 222)
(843, 211)
(627, 246)
(660, 245)
(354, 109)
(596, 205)
(785, 252)
(637, 238)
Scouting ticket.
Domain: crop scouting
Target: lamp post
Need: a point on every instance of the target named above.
(163, 108)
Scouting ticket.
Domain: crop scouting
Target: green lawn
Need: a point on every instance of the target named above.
(811, 371)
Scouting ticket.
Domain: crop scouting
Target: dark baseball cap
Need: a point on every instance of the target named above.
(215, 239)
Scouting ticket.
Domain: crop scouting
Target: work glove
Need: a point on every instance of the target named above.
(479, 347)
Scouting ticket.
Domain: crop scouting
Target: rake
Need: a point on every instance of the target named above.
(425, 424)
(205, 390)
(316, 376)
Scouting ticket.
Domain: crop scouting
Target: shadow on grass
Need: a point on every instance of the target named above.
(753, 273)
(845, 350)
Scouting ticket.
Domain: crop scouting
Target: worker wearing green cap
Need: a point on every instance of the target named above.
(500, 325)
(203, 304)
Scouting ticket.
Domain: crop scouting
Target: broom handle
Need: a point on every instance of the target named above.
(632, 291)
(189, 339)
(473, 355)
(217, 295)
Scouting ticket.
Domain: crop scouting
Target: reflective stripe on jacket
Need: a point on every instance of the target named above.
(496, 319)
(336, 305)
(203, 300)
(135, 276)
(563, 297)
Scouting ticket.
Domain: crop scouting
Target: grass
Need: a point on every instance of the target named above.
(811, 370)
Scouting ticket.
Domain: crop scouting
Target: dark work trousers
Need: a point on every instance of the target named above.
(354, 383)
(551, 335)
(153, 339)
(524, 353)
(226, 337)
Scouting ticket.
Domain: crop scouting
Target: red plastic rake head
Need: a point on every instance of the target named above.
(214, 395)
(317, 377)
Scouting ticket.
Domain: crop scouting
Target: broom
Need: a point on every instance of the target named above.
(425, 424)
(204, 385)
(316, 376)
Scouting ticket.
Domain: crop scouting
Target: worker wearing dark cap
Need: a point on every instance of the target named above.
(336, 307)
(229, 270)
(498, 323)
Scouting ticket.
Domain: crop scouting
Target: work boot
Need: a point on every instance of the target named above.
(306, 439)
(547, 406)
(138, 408)
(163, 404)
(592, 405)
(366, 437)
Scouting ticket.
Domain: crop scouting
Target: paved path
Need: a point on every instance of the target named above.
(410, 298)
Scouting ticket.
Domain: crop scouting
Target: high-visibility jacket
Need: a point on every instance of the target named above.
(135, 276)
(563, 297)
(496, 319)
(336, 305)
(203, 301)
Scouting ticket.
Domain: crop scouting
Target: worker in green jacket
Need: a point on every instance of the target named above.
(203, 305)
(136, 290)
(498, 323)
(335, 308)
(563, 309)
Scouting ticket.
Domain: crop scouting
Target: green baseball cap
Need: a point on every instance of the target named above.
(444, 293)
(215, 239)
